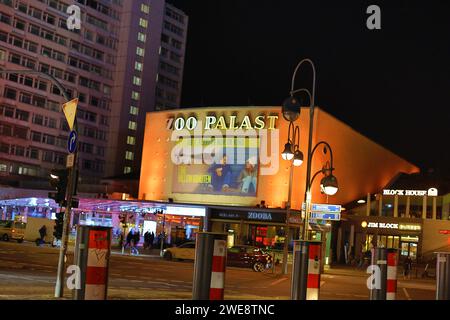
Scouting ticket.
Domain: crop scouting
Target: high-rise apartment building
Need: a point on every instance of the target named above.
(126, 59)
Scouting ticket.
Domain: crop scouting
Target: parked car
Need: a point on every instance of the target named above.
(12, 230)
(186, 251)
(248, 257)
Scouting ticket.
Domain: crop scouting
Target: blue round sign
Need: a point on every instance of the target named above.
(72, 142)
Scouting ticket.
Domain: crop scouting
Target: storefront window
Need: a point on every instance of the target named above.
(388, 206)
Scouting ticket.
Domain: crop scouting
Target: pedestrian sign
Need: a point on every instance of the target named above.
(70, 111)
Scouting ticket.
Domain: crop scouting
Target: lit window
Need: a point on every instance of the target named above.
(135, 95)
(134, 111)
(138, 66)
(129, 155)
(132, 125)
(131, 140)
(145, 8)
(137, 81)
(126, 170)
(142, 37)
(143, 23)
(140, 52)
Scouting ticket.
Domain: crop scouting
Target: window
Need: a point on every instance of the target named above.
(143, 23)
(36, 136)
(135, 95)
(7, 111)
(19, 24)
(106, 89)
(140, 52)
(126, 170)
(138, 66)
(134, 111)
(22, 115)
(132, 125)
(129, 155)
(137, 81)
(25, 98)
(142, 37)
(131, 140)
(145, 8)
(38, 119)
(10, 93)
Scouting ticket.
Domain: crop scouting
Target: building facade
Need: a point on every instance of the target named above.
(111, 65)
(410, 214)
(229, 160)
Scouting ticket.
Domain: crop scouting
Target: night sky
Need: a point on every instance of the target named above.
(392, 85)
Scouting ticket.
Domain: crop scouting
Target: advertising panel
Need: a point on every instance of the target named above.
(218, 166)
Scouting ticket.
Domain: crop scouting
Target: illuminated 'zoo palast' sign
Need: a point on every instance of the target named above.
(224, 123)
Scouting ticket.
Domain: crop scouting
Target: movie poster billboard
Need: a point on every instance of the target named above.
(231, 169)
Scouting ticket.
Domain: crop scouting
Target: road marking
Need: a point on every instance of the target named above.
(406, 293)
(277, 281)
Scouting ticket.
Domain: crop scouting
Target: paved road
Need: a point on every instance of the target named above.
(29, 272)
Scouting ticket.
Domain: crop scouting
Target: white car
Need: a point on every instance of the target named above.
(186, 251)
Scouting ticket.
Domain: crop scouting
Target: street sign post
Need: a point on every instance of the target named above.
(70, 111)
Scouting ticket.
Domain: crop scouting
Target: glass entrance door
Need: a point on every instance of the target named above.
(409, 249)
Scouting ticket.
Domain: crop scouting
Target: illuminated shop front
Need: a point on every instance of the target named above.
(254, 226)
(411, 214)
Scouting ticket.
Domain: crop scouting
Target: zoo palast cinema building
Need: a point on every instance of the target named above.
(174, 170)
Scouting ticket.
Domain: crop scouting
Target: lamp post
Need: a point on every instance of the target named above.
(291, 152)
(301, 267)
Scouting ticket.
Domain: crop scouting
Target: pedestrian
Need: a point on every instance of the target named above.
(407, 266)
(135, 241)
(129, 238)
(42, 234)
(146, 239)
(151, 240)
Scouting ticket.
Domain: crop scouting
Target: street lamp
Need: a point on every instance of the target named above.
(328, 184)
(291, 152)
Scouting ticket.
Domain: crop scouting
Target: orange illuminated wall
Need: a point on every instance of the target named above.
(362, 166)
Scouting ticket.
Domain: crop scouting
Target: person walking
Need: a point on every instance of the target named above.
(407, 266)
(129, 238)
(42, 234)
(146, 239)
(151, 240)
(135, 240)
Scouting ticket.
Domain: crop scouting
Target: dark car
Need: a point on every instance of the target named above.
(248, 257)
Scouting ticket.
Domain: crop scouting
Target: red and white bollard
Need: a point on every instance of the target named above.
(92, 253)
(313, 283)
(209, 266)
(216, 289)
(391, 285)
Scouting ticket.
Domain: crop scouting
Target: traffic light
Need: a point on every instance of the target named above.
(59, 224)
(58, 180)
